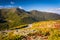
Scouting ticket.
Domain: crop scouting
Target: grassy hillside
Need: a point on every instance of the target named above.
(47, 24)
(45, 30)
(14, 17)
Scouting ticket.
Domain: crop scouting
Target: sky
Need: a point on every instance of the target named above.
(41, 5)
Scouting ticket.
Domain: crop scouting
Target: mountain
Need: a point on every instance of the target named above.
(12, 17)
(44, 15)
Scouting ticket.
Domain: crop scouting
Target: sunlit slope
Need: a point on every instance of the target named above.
(45, 30)
(47, 24)
(43, 26)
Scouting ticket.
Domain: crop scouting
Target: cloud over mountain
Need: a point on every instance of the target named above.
(54, 10)
(57, 10)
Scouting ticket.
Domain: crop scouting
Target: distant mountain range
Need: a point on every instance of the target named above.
(13, 17)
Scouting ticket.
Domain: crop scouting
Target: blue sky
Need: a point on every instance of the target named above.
(42, 5)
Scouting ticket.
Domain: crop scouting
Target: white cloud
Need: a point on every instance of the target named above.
(10, 6)
(20, 7)
(12, 2)
(54, 10)
(0, 6)
(57, 10)
(7, 6)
